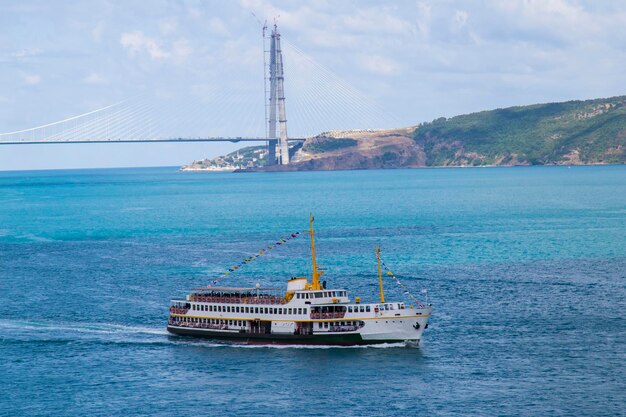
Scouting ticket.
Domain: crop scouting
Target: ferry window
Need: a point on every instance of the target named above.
(290, 312)
(367, 308)
(299, 311)
(304, 310)
(298, 295)
(326, 325)
(319, 325)
(266, 310)
(280, 311)
(363, 309)
(349, 309)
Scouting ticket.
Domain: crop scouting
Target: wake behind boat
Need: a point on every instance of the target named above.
(306, 313)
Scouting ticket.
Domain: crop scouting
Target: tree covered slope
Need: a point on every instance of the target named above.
(573, 132)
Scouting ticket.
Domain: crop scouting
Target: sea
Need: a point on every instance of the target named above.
(525, 268)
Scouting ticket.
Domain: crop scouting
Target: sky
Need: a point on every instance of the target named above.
(200, 66)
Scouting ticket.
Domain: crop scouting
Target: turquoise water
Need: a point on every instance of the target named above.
(526, 268)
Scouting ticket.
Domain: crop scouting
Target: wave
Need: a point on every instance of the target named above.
(25, 331)
(79, 327)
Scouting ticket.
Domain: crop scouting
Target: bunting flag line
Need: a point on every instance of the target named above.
(405, 290)
(251, 258)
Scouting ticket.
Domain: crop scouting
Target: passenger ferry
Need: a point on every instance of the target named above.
(306, 313)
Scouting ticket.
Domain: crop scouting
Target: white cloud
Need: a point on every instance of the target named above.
(94, 78)
(218, 27)
(26, 53)
(168, 26)
(424, 10)
(97, 31)
(181, 49)
(30, 79)
(379, 65)
(337, 27)
(460, 18)
(136, 42)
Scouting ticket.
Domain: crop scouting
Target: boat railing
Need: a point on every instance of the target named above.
(179, 310)
(335, 315)
(252, 299)
(343, 328)
(194, 325)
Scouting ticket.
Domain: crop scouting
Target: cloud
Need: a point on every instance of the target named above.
(26, 53)
(168, 26)
(94, 78)
(181, 49)
(136, 42)
(322, 24)
(423, 17)
(460, 18)
(379, 65)
(30, 79)
(97, 31)
(218, 27)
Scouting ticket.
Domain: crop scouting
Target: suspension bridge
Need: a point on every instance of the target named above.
(325, 103)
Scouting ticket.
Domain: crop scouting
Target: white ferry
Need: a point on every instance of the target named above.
(306, 313)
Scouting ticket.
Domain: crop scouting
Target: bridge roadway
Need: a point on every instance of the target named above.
(210, 139)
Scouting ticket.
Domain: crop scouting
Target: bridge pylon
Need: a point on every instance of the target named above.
(278, 144)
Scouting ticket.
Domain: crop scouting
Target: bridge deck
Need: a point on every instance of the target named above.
(213, 139)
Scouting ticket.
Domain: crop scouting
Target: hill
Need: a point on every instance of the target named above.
(573, 133)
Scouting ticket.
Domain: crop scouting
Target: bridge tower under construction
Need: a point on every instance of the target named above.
(278, 144)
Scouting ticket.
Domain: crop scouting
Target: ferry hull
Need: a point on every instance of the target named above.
(348, 339)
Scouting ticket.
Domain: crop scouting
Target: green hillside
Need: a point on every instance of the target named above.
(578, 132)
